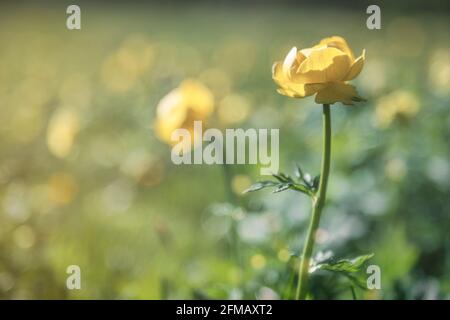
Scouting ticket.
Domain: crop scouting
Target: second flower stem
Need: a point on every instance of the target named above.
(318, 204)
(232, 199)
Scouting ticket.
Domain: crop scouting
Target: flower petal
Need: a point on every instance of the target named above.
(339, 43)
(287, 92)
(197, 97)
(323, 65)
(337, 92)
(293, 89)
(356, 67)
(288, 62)
(278, 74)
(300, 90)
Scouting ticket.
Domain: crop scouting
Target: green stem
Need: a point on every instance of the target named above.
(318, 204)
(352, 289)
(231, 197)
(228, 177)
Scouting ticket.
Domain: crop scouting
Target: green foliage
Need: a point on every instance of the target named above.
(343, 265)
(352, 269)
(303, 183)
(140, 227)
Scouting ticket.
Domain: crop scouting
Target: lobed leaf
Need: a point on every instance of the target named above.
(344, 265)
(285, 182)
(316, 181)
(282, 186)
(260, 185)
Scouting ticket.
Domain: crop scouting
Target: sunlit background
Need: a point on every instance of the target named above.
(84, 179)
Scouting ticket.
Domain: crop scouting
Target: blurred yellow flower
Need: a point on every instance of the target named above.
(121, 69)
(400, 104)
(61, 131)
(395, 169)
(240, 182)
(439, 72)
(258, 261)
(143, 167)
(284, 255)
(62, 188)
(234, 108)
(24, 237)
(218, 80)
(182, 106)
(322, 70)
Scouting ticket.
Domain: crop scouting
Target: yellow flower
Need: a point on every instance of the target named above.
(189, 102)
(322, 70)
(61, 132)
(398, 105)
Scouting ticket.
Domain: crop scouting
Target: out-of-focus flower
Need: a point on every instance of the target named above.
(143, 168)
(218, 80)
(189, 102)
(439, 72)
(61, 131)
(266, 293)
(284, 255)
(233, 109)
(122, 68)
(24, 237)
(322, 70)
(258, 261)
(400, 104)
(62, 188)
(240, 183)
(396, 169)
(405, 37)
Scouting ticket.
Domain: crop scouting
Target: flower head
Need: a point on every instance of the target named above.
(400, 105)
(190, 101)
(322, 70)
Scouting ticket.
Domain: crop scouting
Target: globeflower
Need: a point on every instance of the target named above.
(398, 105)
(323, 70)
(189, 102)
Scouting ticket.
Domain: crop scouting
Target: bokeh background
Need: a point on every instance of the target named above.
(84, 180)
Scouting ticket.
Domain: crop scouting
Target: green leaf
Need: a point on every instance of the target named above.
(285, 182)
(280, 177)
(348, 268)
(282, 186)
(298, 172)
(285, 176)
(316, 181)
(301, 175)
(307, 179)
(344, 265)
(301, 188)
(260, 185)
(357, 280)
